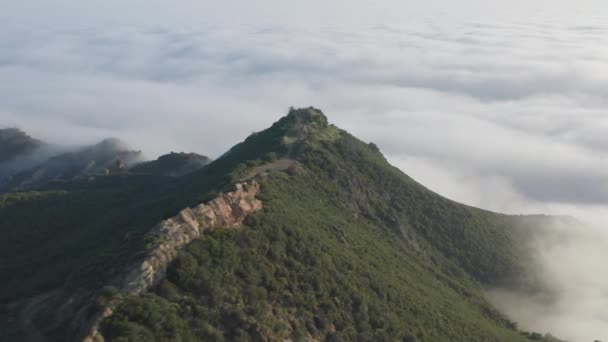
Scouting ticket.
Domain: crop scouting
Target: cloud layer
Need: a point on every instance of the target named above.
(569, 261)
(522, 105)
(509, 117)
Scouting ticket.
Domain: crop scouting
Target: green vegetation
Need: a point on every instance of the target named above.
(172, 164)
(110, 155)
(347, 247)
(72, 238)
(69, 239)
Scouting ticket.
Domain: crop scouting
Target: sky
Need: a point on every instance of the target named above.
(497, 105)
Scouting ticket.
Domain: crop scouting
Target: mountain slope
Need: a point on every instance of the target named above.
(18, 151)
(104, 157)
(345, 247)
(173, 164)
(14, 143)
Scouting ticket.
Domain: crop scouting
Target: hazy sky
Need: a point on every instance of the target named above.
(194, 12)
(499, 105)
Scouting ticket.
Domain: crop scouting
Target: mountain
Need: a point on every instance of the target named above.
(300, 232)
(15, 143)
(173, 164)
(18, 151)
(110, 155)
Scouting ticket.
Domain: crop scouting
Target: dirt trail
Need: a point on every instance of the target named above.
(286, 161)
(279, 165)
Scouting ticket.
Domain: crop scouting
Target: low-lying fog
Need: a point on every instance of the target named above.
(570, 262)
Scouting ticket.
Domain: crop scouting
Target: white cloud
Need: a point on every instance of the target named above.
(494, 101)
(569, 260)
(508, 116)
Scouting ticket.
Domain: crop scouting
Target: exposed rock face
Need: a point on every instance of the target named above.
(225, 211)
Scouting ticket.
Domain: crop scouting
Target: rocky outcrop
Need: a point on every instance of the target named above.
(228, 210)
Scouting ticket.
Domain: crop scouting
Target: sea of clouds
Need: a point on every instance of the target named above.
(509, 115)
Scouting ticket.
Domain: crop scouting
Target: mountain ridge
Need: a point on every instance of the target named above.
(173, 164)
(15, 142)
(346, 247)
(109, 155)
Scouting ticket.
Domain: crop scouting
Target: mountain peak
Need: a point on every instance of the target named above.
(15, 142)
(111, 145)
(12, 133)
(345, 247)
(306, 124)
(308, 116)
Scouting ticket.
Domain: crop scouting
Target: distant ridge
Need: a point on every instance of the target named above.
(173, 164)
(109, 155)
(14, 143)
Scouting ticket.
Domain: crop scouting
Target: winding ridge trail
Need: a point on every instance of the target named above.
(279, 165)
(287, 160)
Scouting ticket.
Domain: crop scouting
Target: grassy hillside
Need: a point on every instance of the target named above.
(346, 248)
